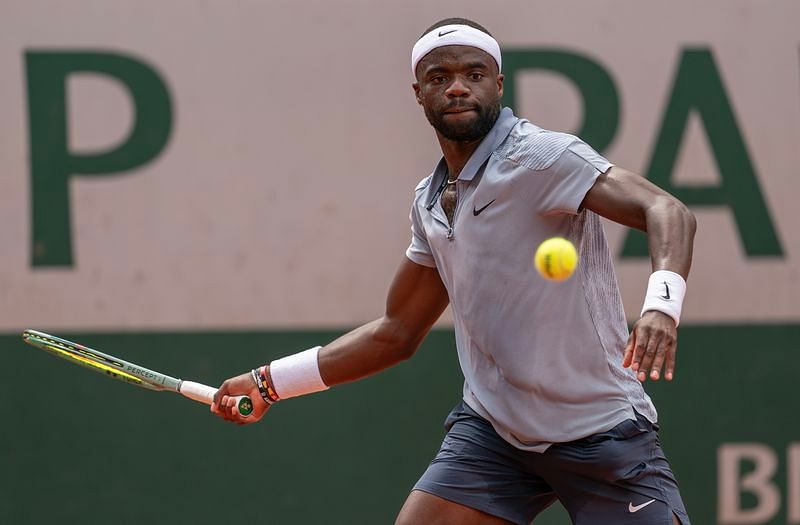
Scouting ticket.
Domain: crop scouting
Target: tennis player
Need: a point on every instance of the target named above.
(553, 406)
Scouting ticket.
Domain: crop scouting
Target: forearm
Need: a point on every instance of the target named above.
(631, 200)
(364, 351)
(670, 228)
(360, 353)
(416, 299)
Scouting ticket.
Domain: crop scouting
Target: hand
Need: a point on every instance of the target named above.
(651, 346)
(224, 401)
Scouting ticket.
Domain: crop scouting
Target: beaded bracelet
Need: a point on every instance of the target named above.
(261, 389)
(273, 395)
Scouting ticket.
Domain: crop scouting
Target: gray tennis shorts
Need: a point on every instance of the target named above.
(618, 476)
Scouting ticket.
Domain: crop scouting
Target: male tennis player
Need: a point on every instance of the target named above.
(552, 406)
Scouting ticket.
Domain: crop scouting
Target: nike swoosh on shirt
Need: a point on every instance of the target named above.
(637, 508)
(442, 33)
(480, 210)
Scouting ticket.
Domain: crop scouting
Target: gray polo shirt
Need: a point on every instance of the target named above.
(542, 360)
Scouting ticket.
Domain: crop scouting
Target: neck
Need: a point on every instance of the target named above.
(457, 153)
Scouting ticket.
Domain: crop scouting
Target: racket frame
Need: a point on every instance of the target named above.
(115, 367)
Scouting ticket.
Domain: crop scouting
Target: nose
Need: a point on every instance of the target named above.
(458, 88)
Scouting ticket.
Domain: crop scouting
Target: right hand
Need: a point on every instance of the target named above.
(225, 402)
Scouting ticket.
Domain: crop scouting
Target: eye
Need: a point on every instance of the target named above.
(438, 80)
(476, 77)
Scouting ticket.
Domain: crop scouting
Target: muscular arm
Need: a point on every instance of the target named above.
(630, 199)
(416, 299)
(633, 201)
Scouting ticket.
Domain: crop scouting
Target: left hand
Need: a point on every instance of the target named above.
(651, 346)
(224, 400)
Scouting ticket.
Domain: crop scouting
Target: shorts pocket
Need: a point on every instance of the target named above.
(635, 474)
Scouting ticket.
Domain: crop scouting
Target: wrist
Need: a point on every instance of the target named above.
(266, 379)
(264, 388)
(297, 374)
(665, 293)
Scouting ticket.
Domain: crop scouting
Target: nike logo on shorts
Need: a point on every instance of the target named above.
(637, 508)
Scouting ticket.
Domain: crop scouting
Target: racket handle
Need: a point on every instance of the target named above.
(205, 394)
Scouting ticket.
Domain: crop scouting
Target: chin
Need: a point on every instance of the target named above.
(464, 133)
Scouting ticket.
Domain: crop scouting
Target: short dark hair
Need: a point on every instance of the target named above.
(459, 21)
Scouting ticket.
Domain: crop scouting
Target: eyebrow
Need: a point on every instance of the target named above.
(468, 65)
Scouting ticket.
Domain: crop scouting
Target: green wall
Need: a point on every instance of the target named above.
(78, 448)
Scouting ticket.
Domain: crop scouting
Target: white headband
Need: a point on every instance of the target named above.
(454, 35)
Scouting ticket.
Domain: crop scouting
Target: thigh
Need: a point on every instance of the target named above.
(476, 468)
(619, 476)
(422, 508)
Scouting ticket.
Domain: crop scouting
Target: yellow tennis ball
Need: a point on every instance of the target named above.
(556, 259)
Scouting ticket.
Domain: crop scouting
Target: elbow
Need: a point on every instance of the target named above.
(678, 215)
(397, 341)
(406, 348)
(407, 352)
(687, 218)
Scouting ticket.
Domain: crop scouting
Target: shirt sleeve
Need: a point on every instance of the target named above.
(571, 176)
(419, 251)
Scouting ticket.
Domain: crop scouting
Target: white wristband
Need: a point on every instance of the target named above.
(665, 291)
(297, 374)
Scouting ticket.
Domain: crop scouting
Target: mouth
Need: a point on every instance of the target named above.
(456, 111)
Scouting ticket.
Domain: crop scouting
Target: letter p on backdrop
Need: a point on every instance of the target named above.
(52, 164)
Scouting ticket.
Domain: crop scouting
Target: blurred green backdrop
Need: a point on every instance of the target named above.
(79, 448)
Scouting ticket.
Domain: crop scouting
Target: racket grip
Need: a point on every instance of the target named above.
(205, 394)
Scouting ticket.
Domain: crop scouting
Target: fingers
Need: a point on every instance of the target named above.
(227, 408)
(672, 354)
(231, 412)
(666, 352)
(652, 347)
(220, 406)
(226, 400)
(221, 391)
(628, 359)
(638, 346)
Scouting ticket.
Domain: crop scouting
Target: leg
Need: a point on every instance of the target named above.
(618, 476)
(422, 508)
(475, 478)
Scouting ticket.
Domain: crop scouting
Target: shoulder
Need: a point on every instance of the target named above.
(536, 148)
(420, 191)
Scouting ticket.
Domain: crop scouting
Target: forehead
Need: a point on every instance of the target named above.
(454, 57)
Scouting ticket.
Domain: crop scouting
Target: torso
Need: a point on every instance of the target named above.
(540, 359)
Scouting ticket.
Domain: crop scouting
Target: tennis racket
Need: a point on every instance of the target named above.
(120, 370)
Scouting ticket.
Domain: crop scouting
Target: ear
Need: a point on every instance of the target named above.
(415, 85)
(500, 79)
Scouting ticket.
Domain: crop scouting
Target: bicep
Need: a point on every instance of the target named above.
(623, 197)
(416, 299)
